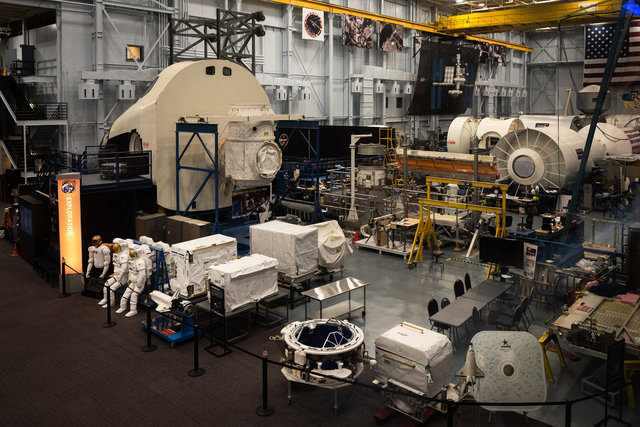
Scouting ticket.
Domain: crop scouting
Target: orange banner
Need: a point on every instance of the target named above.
(69, 223)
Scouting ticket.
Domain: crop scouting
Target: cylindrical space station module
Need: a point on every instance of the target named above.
(490, 131)
(549, 158)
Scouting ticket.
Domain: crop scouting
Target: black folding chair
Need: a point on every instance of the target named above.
(458, 288)
(467, 282)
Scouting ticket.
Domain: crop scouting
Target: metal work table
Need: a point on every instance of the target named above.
(402, 226)
(487, 290)
(332, 290)
(458, 312)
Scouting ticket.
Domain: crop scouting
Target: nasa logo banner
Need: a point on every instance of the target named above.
(69, 223)
(312, 24)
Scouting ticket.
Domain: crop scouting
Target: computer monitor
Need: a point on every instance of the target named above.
(507, 252)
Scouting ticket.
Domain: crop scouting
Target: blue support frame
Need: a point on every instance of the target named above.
(617, 41)
(161, 276)
(297, 127)
(195, 129)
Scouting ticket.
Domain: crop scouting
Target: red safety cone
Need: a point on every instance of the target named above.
(355, 237)
(15, 250)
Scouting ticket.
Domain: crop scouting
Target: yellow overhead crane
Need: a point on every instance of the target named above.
(336, 9)
(534, 16)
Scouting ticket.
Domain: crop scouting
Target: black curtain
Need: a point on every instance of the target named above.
(434, 57)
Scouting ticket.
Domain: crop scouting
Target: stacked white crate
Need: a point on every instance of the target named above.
(193, 257)
(245, 280)
(294, 246)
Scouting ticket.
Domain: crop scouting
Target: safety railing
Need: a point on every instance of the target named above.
(102, 167)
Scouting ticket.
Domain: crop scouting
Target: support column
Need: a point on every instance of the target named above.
(24, 147)
(99, 64)
(330, 71)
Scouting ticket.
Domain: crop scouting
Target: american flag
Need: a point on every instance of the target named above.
(597, 46)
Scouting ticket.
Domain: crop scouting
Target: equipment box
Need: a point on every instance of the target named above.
(245, 280)
(193, 257)
(294, 246)
(174, 228)
(153, 226)
(415, 357)
(195, 228)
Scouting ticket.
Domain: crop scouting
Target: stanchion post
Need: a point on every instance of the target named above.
(567, 414)
(109, 323)
(196, 371)
(264, 410)
(149, 347)
(64, 293)
(449, 414)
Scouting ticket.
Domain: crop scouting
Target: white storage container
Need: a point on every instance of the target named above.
(245, 280)
(193, 257)
(294, 246)
(414, 356)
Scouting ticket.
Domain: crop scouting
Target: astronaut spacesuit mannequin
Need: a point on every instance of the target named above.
(99, 257)
(120, 270)
(137, 279)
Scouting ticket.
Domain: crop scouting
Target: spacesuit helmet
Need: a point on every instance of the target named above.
(117, 245)
(96, 240)
(132, 253)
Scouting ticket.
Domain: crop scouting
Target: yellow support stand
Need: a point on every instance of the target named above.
(545, 340)
(630, 366)
(426, 229)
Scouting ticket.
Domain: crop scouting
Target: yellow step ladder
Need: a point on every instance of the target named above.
(545, 342)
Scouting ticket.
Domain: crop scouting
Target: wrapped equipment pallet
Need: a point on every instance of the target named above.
(245, 280)
(332, 245)
(415, 357)
(294, 246)
(193, 257)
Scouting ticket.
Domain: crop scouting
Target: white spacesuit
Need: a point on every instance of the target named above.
(120, 270)
(137, 279)
(99, 257)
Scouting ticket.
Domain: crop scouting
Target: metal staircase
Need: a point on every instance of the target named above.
(39, 121)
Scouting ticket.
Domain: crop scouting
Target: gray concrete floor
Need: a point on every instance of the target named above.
(397, 293)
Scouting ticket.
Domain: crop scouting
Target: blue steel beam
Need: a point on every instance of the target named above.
(622, 27)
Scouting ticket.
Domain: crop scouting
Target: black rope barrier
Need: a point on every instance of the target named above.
(449, 404)
(63, 293)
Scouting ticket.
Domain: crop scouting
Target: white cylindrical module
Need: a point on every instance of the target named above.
(461, 131)
(615, 141)
(551, 122)
(370, 176)
(586, 99)
(550, 159)
(490, 130)
(251, 157)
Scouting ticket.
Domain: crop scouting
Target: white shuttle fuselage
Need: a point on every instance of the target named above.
(211, 91)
